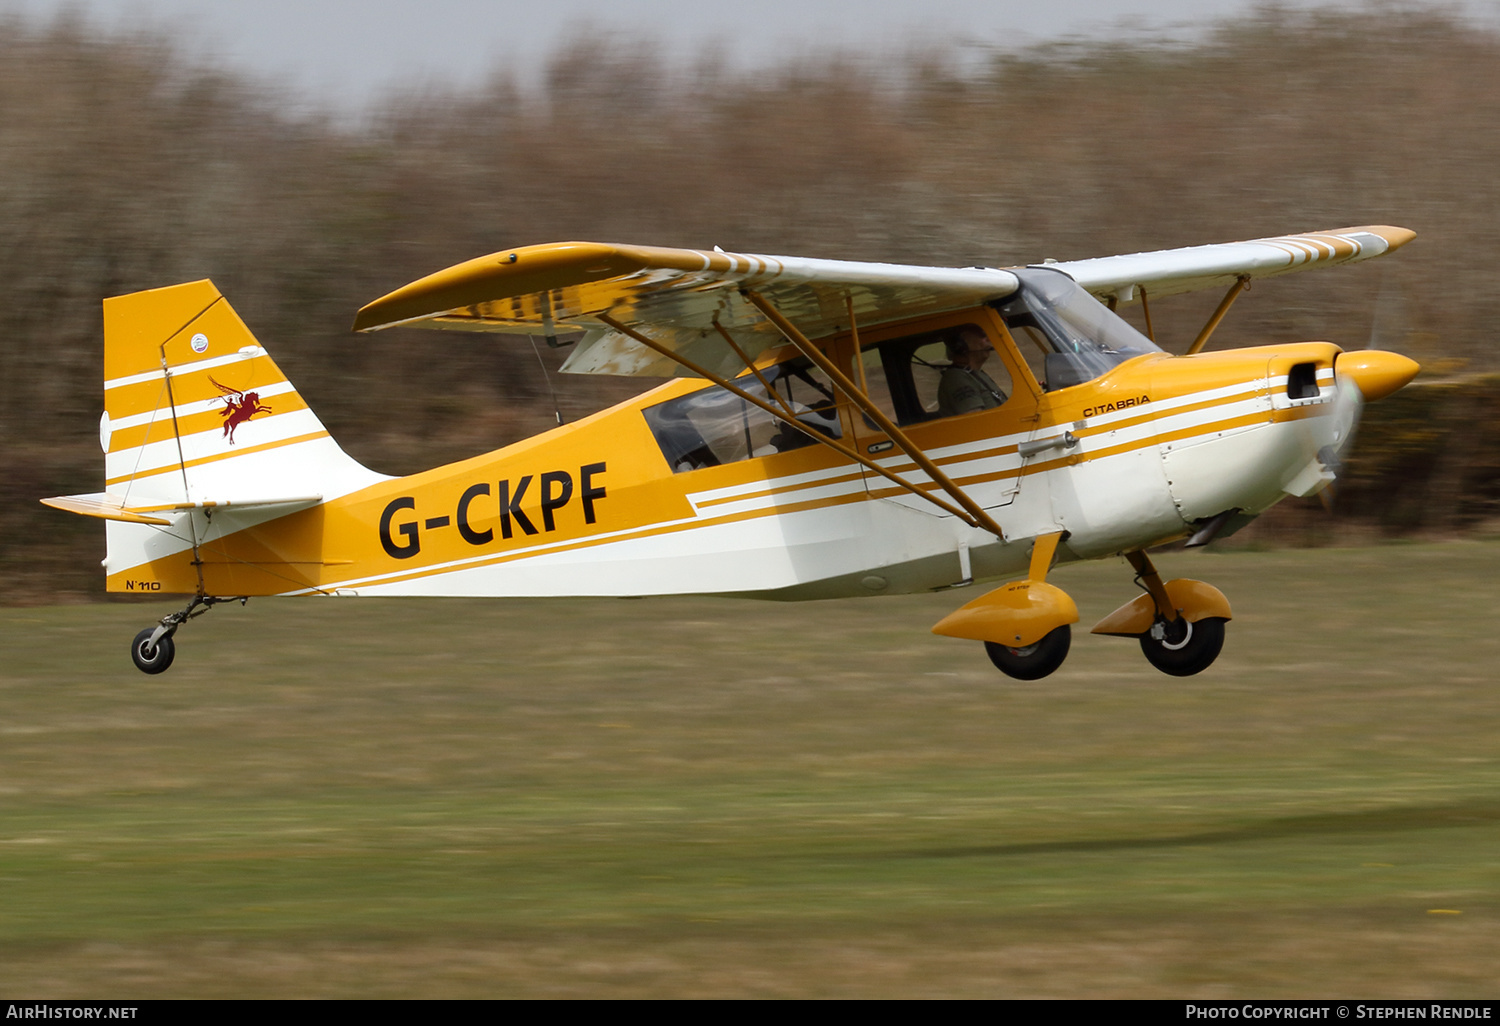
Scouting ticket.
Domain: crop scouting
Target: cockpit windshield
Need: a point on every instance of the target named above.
(1080, 337)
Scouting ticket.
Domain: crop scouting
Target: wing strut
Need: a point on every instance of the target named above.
(1240, 285)
(754, 369)
(977, 516)
(815, 435)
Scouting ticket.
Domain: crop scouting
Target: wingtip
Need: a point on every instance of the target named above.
(506, 273)
(1394, 237)
(365, 320)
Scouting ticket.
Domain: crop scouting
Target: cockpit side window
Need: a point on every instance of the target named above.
(911, 378)
(1066, 335)
(941, 373)
(713, 426)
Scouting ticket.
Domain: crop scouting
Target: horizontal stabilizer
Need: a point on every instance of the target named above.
(111, 507)
(103, 506)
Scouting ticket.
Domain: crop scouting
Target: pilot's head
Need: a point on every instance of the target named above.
(969, 347)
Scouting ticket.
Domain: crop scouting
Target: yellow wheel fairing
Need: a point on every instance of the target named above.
(1193, 600)
(1018, 614)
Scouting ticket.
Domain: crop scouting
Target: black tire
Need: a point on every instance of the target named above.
(1187, 649)
(1032, 662)
(150, 658)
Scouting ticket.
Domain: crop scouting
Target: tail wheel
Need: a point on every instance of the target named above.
(1182, 648)
(151, 658)
(1032, 662)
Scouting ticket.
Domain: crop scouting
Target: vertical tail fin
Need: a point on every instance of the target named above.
(196, 411)
(203, 436)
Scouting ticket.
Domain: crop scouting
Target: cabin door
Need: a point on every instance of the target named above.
(958, 392)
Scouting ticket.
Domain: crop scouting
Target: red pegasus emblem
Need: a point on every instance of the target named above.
(238, 407)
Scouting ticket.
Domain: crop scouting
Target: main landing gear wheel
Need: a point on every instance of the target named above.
(1032, 662)
(151, 658)
(1181, 648)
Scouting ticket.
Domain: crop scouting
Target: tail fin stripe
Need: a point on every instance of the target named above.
(162, 453)
(188, 408)
(171, 467)
(186, 368)
(207, 422)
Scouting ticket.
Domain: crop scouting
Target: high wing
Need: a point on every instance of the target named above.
(676, 294)
(688, 300)
(1168, 272)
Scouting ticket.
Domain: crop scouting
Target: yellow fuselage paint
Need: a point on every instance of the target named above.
(604, 478)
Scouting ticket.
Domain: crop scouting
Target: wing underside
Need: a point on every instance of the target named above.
(682, 297)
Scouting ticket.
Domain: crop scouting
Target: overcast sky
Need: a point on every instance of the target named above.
(347, 52)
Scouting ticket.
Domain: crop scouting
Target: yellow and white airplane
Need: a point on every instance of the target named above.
(831, 428)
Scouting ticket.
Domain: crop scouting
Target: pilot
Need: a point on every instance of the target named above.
(964, 386)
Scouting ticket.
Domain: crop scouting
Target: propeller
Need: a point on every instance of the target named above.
(1348, 406)
(1365, 375)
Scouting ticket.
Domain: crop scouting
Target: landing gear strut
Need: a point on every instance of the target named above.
(1179, 642)
(152, 650)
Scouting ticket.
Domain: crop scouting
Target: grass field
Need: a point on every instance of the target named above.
(692, 797)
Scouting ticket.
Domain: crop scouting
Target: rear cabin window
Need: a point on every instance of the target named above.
(912, 378)
(714, 426)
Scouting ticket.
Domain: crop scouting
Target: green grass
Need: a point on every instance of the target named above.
(714, 797)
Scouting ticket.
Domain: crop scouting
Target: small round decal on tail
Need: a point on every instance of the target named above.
(200, 343)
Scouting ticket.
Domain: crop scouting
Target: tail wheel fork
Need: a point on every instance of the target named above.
(153, 649)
